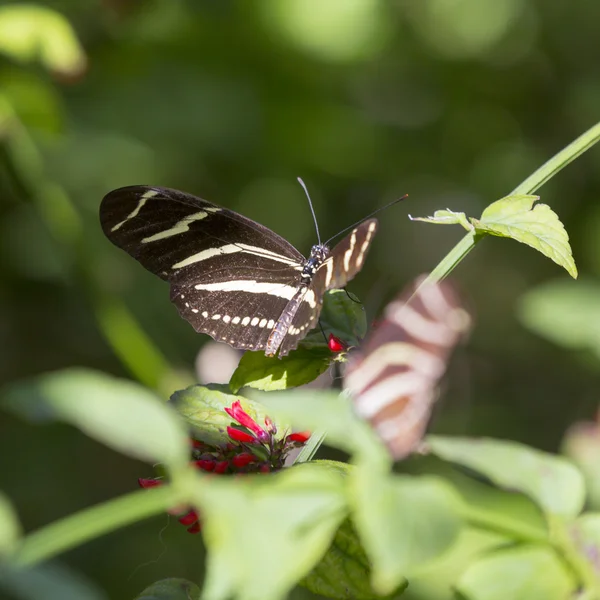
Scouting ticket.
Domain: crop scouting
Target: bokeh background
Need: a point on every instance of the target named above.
(454, 102)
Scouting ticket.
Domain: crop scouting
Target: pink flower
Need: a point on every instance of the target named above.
(235, 411)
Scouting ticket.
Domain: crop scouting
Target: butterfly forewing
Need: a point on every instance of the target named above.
(230, 277)
(393, 379)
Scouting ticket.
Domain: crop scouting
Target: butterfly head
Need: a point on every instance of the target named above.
(318, 254)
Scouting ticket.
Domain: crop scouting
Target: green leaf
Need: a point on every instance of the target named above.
(581, 444)
(344, 317)
(203, 408)
(585, 534)
(446, 217)
(522, 573)
(116, 412)
(344, 571)
(266, 373)
(264, 533)
(325, 410)
(537, 226)
(551, 481)
(34, 32)
(566, 313)
(10, 529)
(171, 589)
(50, 581)
(403, 522)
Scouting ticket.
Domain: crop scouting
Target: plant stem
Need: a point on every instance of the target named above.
(92, 522)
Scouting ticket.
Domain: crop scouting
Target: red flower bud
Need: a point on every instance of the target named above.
(242, 460)
(189, 518)
(221, 467)
(299, 436)
(240, 436)
(265, 468)
(206, 465)
(335, 344)
(149, 483)
(195, 528)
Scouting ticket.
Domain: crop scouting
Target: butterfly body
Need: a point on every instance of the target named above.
(230, 277)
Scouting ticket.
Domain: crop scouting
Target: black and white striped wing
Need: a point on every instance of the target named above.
(344, 262)
(230, 276)
(393, 378)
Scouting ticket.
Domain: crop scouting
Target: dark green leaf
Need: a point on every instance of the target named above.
(344, 571)
(266, 373)
(264, 533)
(116, 412)
(551, 481)
(171, 589)
(522, 573)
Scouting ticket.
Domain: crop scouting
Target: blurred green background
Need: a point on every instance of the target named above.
(451, 101)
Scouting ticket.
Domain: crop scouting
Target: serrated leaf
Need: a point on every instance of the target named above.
(403, 522)
(171, 589)
(269, 373)
(521, 573)
(203, 408)
(564, 312)
(263, 534)
(10, 529)
(344, 571)
(446, 217)
(537, 226)
(34, 32)
(554, 483)
(116, 412)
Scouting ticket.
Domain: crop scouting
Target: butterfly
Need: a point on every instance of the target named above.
(231, 277)
(393, 378)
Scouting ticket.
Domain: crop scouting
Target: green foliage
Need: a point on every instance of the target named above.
(171, 589)
(10, 529)
(119, 413)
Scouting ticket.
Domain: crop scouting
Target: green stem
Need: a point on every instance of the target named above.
(93, 522)
(548, 170)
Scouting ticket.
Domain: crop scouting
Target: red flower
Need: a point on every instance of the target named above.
(236, 412)
(335, 344)
(299, 436)
(195, 528)
(243, 460)
(221, 466)
(240, 436)
(149, 483)
(206, 465)
(189, 518)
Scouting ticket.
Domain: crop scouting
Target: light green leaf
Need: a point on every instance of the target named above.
(320, 410)
(30, 32)
(10, 529)
(171, 589)
(566, 313)
(585, 533)
(264, 533)
(552, 482)
(203, 408)
(446, 217)
(344, 571)
(116, 412)
(537, 226)
(269, 373)
(581, 444)
(403, 522)
(521, 573)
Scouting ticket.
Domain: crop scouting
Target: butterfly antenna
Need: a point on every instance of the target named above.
(367, 217)
(312, 210)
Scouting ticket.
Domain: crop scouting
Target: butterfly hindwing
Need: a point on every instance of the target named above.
(393, 378)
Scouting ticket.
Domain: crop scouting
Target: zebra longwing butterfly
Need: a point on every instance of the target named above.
(230, 277)
(393, 378)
